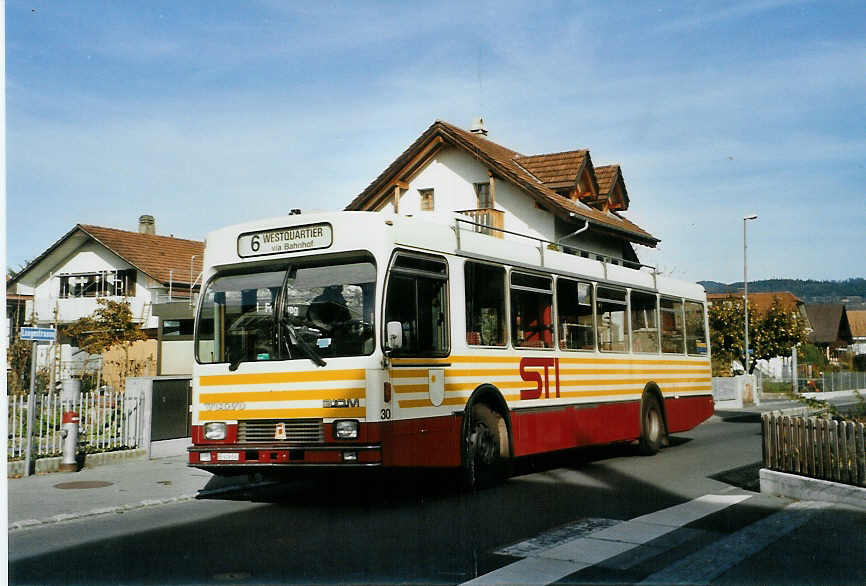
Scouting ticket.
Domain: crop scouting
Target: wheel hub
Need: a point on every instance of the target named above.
(483, 444)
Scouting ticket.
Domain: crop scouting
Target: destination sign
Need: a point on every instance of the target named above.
(279, 240)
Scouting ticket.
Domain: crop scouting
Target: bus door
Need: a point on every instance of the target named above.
(416, 317)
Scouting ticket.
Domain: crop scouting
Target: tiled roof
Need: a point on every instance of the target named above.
(152, 254)
(555, 167)
(829, 323)
(857, 321)
(606, 177)
(761, 302)
(506, 163)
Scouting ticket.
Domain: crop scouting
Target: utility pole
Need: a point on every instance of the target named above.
(746, 294)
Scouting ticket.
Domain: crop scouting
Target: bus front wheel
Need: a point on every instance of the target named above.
(482, 452)
(653, 432)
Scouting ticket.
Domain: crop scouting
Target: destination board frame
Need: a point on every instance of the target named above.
(248, 246)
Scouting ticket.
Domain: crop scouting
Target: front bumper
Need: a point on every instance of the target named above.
(254, 456)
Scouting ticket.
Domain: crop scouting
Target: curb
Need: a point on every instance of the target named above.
(811, 489)
(49, 465)
(28, 523)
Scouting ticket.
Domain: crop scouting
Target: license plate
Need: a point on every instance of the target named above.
(228, 456)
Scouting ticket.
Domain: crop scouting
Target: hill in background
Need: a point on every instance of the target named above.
(851, 292)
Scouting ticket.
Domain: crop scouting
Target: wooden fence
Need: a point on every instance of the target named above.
(816, 447)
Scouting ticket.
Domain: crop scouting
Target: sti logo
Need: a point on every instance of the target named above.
(535, 376)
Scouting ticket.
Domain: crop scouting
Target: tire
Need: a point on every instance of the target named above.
(482, 451)
(652, 427)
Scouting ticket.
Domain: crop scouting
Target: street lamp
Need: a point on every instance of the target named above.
(746, 293)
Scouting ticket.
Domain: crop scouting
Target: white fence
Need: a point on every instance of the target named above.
(821, 382)
(108, 421)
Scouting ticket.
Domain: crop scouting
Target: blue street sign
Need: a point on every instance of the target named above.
(38, 334)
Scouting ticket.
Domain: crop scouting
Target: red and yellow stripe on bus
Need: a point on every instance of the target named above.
(282, 395)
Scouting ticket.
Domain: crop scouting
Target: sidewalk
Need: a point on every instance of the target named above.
(55, 497)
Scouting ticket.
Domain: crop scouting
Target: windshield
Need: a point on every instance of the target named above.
(302, 311)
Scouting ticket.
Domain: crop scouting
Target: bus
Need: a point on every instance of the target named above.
(362, 339)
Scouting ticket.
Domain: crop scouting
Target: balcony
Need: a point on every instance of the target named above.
(488, 221)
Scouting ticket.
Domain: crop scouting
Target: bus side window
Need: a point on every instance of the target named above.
(611, 319)
(644, 322)
(531, 311)
(696, 335)
(672, 326)
(574, 300)
(417, 297)
(485, 304)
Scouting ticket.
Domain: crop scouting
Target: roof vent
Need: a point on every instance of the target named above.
(478, 127)
(146, 225)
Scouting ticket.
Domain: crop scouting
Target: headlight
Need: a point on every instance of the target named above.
(215, 430)
(346, 429)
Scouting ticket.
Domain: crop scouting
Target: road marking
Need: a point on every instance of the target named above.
(717, 558)
(554, 537)
(545, 565)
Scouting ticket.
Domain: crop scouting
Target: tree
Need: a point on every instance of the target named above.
(18, 355)
(771, 334)
(110, 325)
(11, 272)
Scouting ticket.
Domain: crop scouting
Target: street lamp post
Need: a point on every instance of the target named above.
(746, 294)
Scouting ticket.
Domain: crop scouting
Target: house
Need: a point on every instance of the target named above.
(830, 328)
(560, 198)
(857, 322)
(16, 312)
(92, 262)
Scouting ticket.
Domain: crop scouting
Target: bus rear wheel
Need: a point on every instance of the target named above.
(653, 432)
(482, 460)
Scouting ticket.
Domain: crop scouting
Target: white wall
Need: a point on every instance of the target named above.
(452, 175)
(176, 357)
(89, 258)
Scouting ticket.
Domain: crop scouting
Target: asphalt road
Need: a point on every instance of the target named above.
(417, 527)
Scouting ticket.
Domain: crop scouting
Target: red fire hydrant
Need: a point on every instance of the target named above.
(69, 432)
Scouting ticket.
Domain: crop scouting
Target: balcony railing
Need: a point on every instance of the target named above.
(489, 220)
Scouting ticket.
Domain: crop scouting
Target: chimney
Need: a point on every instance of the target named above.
(478, 127)
(146, 225)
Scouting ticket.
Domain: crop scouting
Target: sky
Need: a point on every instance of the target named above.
(205, 114)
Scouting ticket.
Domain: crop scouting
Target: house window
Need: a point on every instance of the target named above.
(101, 284)
(426, 199)
(176, 328)
(482, 194)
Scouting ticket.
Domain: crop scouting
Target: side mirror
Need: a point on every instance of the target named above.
(394, 335)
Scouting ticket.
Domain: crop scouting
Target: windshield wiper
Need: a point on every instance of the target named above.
(299, 341)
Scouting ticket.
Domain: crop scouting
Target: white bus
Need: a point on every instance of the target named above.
(359, 339)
